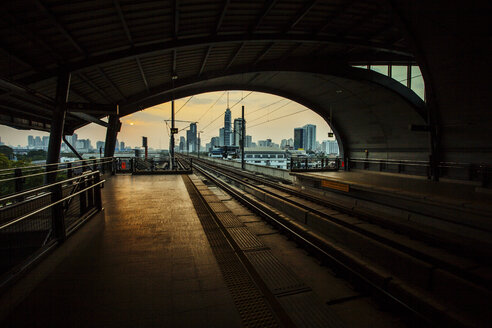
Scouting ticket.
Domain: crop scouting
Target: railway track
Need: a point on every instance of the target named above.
(409, 274)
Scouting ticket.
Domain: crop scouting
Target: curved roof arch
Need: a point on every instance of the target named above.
(367, 110)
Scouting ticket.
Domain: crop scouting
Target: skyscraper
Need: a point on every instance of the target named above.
(249, 141)
(37, 142)
(182, 143)
(221, 137)
(299, 138)
(30, 141)
(309, 137)
(227, 128)
(46, 142)
(191, 138)
(238, 126)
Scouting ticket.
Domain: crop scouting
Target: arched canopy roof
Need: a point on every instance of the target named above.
(127, 52)
(366, 110)
(118, 49)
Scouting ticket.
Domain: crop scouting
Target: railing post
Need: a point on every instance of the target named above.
(69, 172)
(113, 166)
(58, 218)
(94, 165)
(19, 183)
(306, 163)
(97, 192)
(82, 197)
(90, 192)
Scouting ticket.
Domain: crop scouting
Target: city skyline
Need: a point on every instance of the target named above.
(263, 113)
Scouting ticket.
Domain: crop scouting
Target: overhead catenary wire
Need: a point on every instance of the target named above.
(211, 106)
(273, 111)
(180, 108)
(271, 104)
(278, 118)
(242, 98)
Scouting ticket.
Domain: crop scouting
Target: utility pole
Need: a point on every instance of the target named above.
(171, 151)
(198, 144)
(243, 137)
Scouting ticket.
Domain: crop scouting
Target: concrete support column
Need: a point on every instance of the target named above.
(56, 134)
(58, 122)
(114, 126)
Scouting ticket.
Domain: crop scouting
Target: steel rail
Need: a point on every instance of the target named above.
(273, 218)
(386, 241)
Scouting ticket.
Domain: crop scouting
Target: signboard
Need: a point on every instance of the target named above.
(335, 185)
(174, 130)
(330, 134)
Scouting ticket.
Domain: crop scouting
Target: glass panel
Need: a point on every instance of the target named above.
(418, 82)
(360, 66)
(383, 69)
(399, 73)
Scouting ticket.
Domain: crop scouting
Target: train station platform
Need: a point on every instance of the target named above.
(142, 262)
(452, 193)
(452, 213)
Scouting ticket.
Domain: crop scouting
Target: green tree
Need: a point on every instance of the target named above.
(7, 151)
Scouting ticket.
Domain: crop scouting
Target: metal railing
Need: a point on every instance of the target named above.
(18, 179)
(137, 165)
(309, 164)
(34, 220)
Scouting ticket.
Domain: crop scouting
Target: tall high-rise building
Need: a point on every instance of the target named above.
(122, 145)
(30, 141)
(309, 137)
(330, 147)
(227, 128)
(182, 143)
(191, 138)
(238, 126)
(37, 142)
(299, 138)
(221, 137)
(249, 141)
(46, 142)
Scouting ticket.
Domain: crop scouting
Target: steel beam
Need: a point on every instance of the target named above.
(123, 21)
(101, 92)
(89, 118)
(234, 56)
(188, 43)
(343, 8)
(142, 73)
(205, 60)
(300, 15)
(264, 53)
(222, 15)
(101, 71)
(268, 6)
(59, 26)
